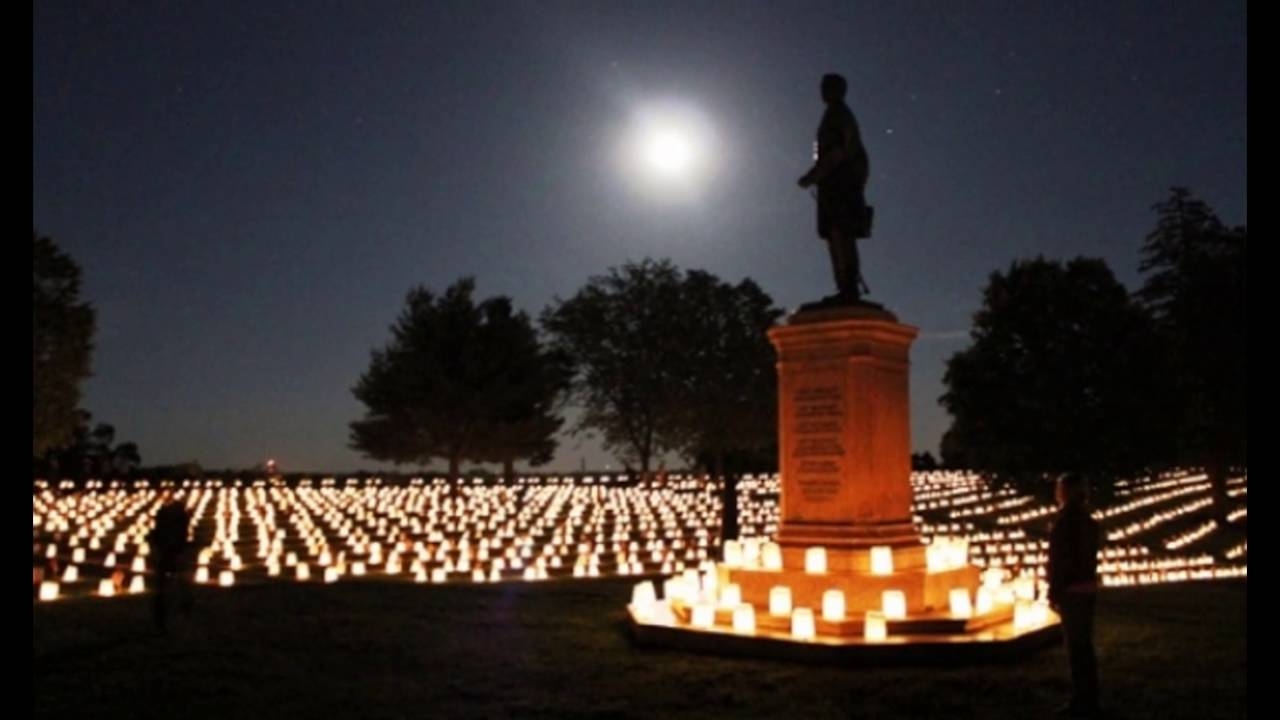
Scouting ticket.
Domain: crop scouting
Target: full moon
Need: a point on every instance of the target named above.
(668, 150)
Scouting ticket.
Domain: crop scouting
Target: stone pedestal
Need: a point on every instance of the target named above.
(844, 434)
(844, 440)
(845, 463)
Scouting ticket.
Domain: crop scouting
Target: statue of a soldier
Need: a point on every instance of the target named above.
(840, 171)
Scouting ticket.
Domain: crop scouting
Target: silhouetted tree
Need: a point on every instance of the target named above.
(923, 461)
(92, 452)
(1064, 374)
(729, 380)
(125, 458)
(61, 348)
(460, 381)
(672, 361)
(621, 330)
(1196, 288)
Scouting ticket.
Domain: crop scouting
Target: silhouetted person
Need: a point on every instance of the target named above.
(169, 546)
(1073, 589)
(840, 171)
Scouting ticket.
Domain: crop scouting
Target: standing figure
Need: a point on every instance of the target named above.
(840, 171)
(1073, 589)
(169, 546)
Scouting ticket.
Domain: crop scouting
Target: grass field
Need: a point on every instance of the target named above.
(560, 650)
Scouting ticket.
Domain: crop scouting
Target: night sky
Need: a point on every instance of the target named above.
(251, 188)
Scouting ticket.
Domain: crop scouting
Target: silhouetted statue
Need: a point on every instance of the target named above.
(840, 171)
(169, 545)
(1073, 589)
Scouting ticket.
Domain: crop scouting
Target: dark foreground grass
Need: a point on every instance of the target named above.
(560, 650)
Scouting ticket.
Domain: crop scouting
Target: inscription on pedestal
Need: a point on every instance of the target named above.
(817, 450)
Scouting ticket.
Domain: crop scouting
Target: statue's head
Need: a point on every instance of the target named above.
(833, 88)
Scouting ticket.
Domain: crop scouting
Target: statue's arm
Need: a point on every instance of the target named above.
(830, 156)
(829, 161)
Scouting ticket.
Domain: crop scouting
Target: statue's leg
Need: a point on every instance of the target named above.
(844, 258)
(854, 279)
(839, 261)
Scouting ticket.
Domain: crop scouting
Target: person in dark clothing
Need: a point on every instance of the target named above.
(1073, 589)
(169, 544)
(840, 171)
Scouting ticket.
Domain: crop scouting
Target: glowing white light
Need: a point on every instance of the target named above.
(48, 590)
(894, 603)
(669, 148)
(874, 628)
(833, 605)
(815, 560)
(802, 624)
(780, 601)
